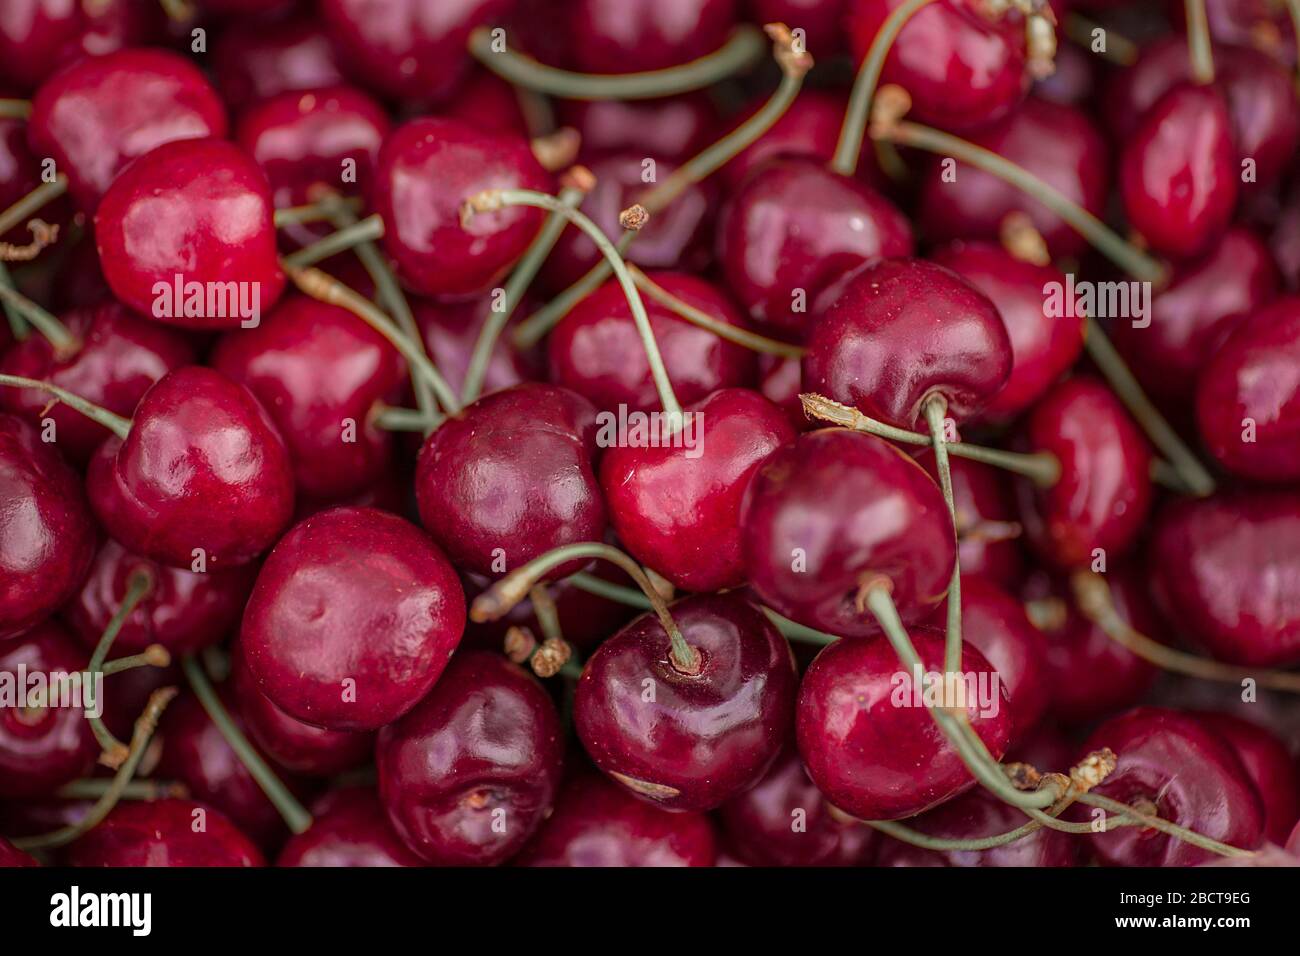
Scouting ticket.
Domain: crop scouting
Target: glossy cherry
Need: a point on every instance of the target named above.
(1270, 765)
(202, 468)
(47, 537)
(350, 829)
(253, 60)
(487, 101)
(20, 173)
(467, 776)
(622, 36)
(674, 128)
(354, 615)
(597, 823)
(39, 36)
(450, 331)
(427, 169)
(875, 759)
(988, 533)
(821, 21)
(164, 833)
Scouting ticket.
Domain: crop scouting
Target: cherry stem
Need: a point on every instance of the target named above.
(1093, 596)
(794, 631)
(496, 601)
(610, 591)
(15, 108)
(25, 208)
(494, 199)
(744, 46)
(520, 279)
(179, 11)
(1118, 49)
(1042, 468)
(115, 423)
(64, 343)
(548, 616)
(325, 288)
(1163, 825)
(295, 816)
(92, 788)
(321, 211)
(1293, 8)
(145, 726)
(1198, 42)
(17, 324)
(349, 237)
(854, 129)
(139, 586)
(394, 419)
(935, 408)
(155, 655)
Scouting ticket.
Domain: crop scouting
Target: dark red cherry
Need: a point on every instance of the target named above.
(674, 128)
(1190, 318)
(813, 535)
(451, 330)
(1104, 492)
(819, 19)
(701, 738)
(1178, 173)
(792, 229)
(184, 611)
(597, 351)
(810, 127)
(1059, 145)
(1044, 344)
(253, 60)
(903, 331)
(987, 530)
(47, 537)
(867, 740)
(186, 237)
(427, 169)
(203, 480)
(677, 509)
(120, 357)
(101, 112)
(469, 774)
(1248, 396)
(39, 36)
(409, 48)
(1270, 765)
(780, 381)
(488, 102)
(320, 372)
(1173, 767)
(511, 478)
(20, 173)
(43, 747)
(962, 69)
(783, 820)
(597, 823)
(1074, 83)
(354, 615)
(350, 829)
(10, 856)
(1227, 570)
(628, 36)
(164, 833)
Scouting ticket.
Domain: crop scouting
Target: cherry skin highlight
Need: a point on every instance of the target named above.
(1270, 765)
(631, 36)
(253, 60)
(162, 833)
(39, 36)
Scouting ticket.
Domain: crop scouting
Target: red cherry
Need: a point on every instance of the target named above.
(47, 537)
(792, 229)
(813, 535)
(488, 102)
(354, 615)
(780, 382)
(469, 774)
(101, 112)
(20, 173)
(874, 757)
(427, 169)
(12, 857)
(674, 128)
(350, 829)
(677, 509)
(450, 331)
(39, 36)
(819, 19)
(253, 60)
(164, 833)
(987, 531)
(903, 331)
(1270, 765)
(1075, 81)
(1293, 842)
(631, 36)
(1227, 569)
(597, 351)
(202, 468)
(596, 823)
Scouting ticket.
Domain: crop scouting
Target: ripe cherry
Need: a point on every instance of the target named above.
(622, 36)
(168, 833)
(13, 857)
(350, 828)
(821, 21)
(20, 174)
(253, 60)
(674, 128)
(987, 531)
(39, 36)
(488, 102)
(451, 330)
(354, 615)
(469, 774)
(1270, 765)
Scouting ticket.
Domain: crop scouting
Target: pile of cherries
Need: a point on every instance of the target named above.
(332, 329)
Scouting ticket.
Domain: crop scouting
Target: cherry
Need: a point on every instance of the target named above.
(792, 229)
(427, 169)
(987, 532)
(39, 36)
(354, 615)
(120, 357)
(597, 823)
(677, 509)
(490, 103)
(321, 373)
(203, 478)
(597, 351)
(11, 857)
(1055, 143)
(450, 331)
(633, 36)
(819, 19)
(1227, 569)
(191, 213)
(780, 382)
(1254, 24)
(674, 128)
(875, 758)
(101, 112)
(254, 60)
(467, 776)
(20, 174)
(1075, 81)
(1271, 768)
(350, 829)
(783, 820)
(47, 538)
(813, 537)
(1248, 396)
(168, 833)
(1195, 312)
(511, 478)
(43, 746)
(1173, 767)
(1293, 842)
(1043, 346)
(1104, 492)
(902, 332)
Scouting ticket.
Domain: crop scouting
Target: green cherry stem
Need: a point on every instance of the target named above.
(11, 108)
(1139, 818)
(118, 425)
(609, 591)
(1116, 48)
(25, 208)
(349, 237)
(935, 409)
(17, 324)
(320, 211)
(155, 655)
(1198, 42)
(139, 586)
(62, 341)
(92, 788)
(395, 419)
(794, 631)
